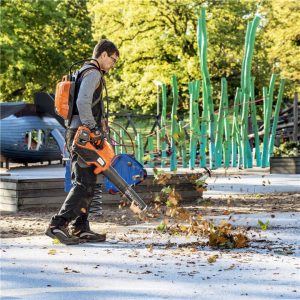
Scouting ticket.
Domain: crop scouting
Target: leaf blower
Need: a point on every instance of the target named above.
(99, 153)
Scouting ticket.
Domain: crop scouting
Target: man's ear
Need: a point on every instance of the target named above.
(104, 54)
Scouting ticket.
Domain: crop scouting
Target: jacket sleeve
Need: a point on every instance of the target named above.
(89, 84)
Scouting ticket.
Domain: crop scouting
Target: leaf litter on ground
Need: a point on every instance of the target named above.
(177, 220)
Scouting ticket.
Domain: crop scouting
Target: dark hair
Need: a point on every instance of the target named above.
(105, 45)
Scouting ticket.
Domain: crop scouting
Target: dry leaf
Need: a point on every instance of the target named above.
(224, 227)
(201, 189)
(160, 177)
(134, 208)
(150, 248)
(212, 259)
(52, 252)
(174, 197)
(241, 241)
(68, 270)
(183, 228)
(230, 268)
(183, 214)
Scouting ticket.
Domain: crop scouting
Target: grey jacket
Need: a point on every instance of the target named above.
(89, 84)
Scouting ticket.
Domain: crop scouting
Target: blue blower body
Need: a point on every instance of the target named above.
(125, 165)
(129, 169)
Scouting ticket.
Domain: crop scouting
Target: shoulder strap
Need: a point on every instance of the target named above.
(81, 73)
(103, 116)
(84, 60)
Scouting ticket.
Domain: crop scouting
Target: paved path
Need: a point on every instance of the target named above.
(222, 186)
(125, 268)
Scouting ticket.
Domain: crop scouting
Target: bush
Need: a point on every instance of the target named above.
(287, 149)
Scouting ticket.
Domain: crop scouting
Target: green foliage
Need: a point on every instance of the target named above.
(158, 39)
(287, 149)
(166, 190)
(162, 227)
(39, 39)
(157, 173)
(282, 36)
(263, 226)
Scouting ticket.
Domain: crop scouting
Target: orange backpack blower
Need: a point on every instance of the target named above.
(65, 94)
(64, 97)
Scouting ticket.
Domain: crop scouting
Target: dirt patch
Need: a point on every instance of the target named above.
(253, 203)
(34, 222)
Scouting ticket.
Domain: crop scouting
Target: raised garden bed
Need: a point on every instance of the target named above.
(285, 165)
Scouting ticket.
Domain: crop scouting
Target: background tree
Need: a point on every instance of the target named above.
(39, 39)
(158, 39)
(282, 36)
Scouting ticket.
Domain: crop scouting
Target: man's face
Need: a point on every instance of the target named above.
(108, 62)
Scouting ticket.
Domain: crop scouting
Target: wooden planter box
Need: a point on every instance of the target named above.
(285, 165)
(19, 192)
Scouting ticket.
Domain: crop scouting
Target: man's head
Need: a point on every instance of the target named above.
(106, 53)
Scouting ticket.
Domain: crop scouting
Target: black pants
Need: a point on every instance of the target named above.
(77, 203)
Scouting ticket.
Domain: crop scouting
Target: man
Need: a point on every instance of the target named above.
(88, 111)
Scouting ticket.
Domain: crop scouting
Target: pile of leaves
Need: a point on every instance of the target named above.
(177, 220)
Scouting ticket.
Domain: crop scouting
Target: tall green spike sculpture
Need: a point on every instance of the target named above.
(173, 162)
(207, 93)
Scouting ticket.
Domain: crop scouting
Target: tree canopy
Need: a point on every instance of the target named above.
(282, 36)
(156, 39)
(39, 39)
